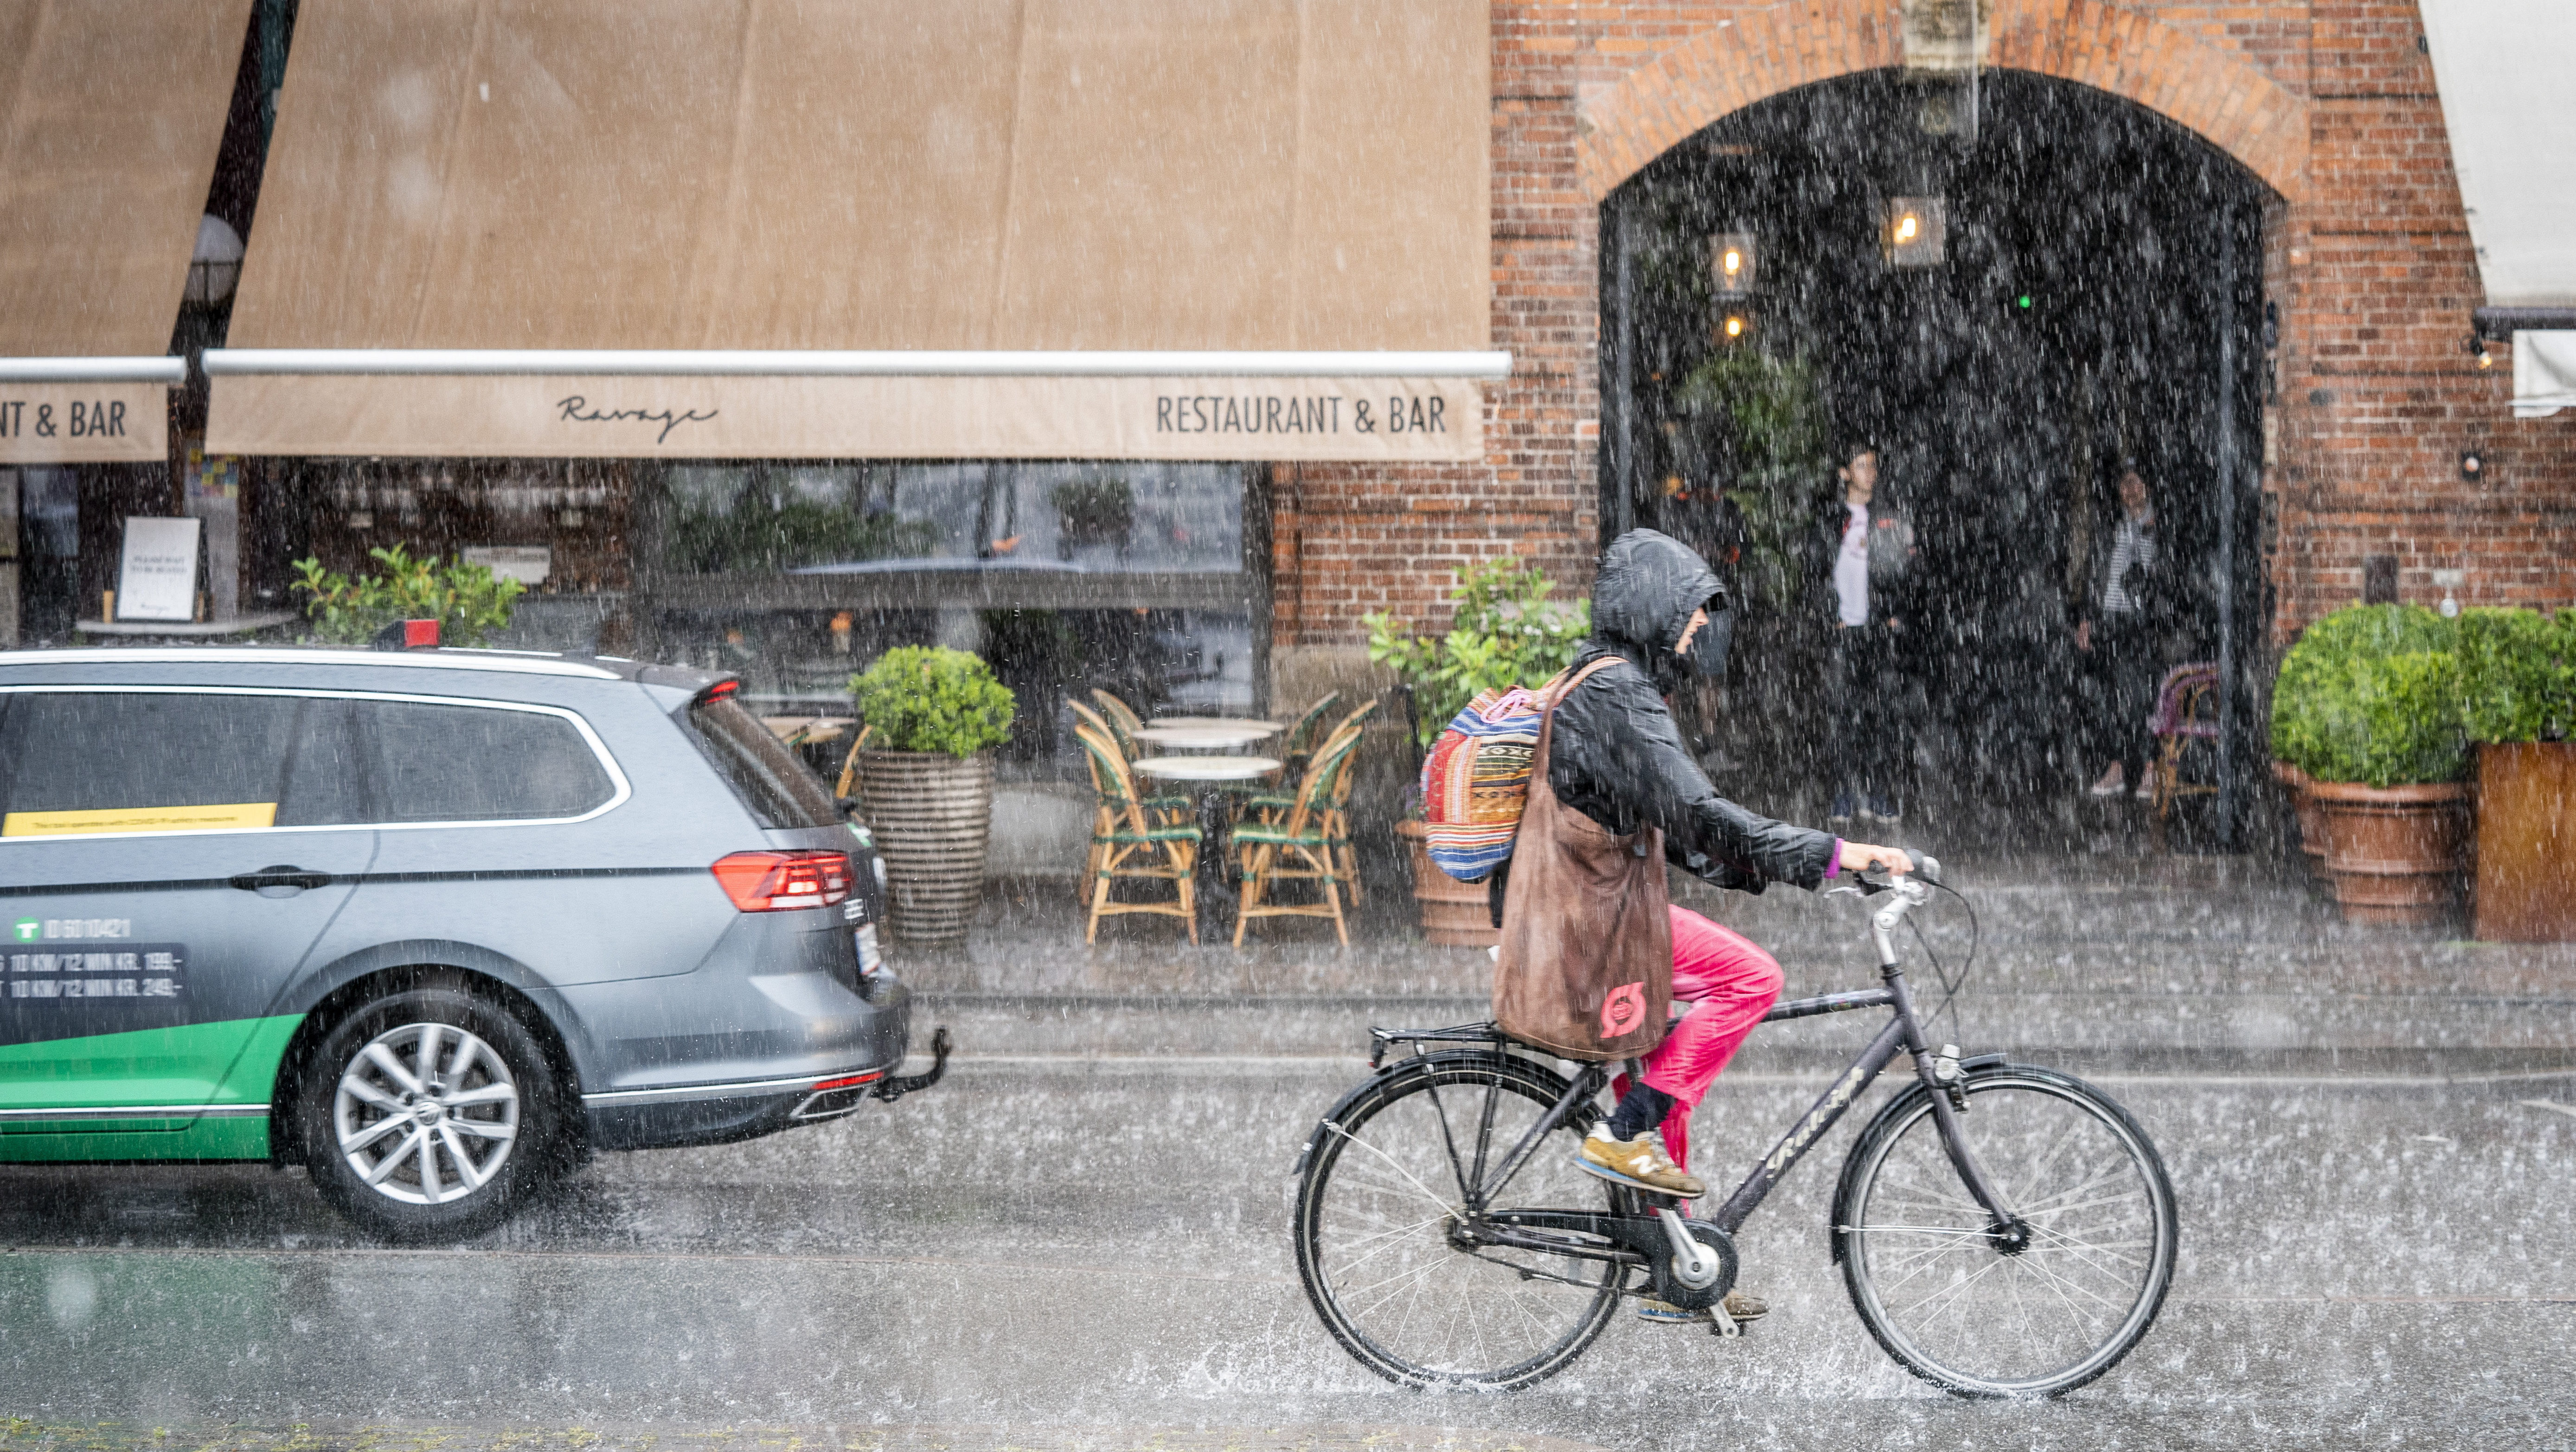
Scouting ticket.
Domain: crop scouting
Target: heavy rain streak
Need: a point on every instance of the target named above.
(1451, 725)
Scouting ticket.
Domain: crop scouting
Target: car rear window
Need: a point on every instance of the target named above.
(480, 764)
(780, 790)
(79, 763)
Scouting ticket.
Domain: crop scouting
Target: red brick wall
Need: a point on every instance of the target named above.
(2329, 101)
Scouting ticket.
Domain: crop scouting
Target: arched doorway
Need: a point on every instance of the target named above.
(2082, 288)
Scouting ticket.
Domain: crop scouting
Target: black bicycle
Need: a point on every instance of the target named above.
(2004, 1230)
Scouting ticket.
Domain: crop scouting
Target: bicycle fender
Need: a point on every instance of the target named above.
(1548, 1079)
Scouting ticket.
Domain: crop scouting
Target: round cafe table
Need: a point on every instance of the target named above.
(1214, 775)
(1267, 727)
(1211, 736)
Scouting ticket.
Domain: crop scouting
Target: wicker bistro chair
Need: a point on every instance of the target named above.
(1297, 847)
(1158, 806)
(2186, 712)
(1298, 745)
(1269, 805)
(1272, 806)
(1123, 721)
(1130, 841)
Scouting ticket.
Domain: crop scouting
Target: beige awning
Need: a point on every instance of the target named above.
(839, 184)
(2502, 70)
(111, 112)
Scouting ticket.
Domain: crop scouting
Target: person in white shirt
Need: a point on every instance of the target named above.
(2118, 630)
(1866, 547)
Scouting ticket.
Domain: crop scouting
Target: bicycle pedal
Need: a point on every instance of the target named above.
(1723, 1326)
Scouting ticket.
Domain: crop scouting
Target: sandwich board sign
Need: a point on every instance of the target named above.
(157, 579)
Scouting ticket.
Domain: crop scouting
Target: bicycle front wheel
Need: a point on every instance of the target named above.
(1988, 1310)
(1389, 1249)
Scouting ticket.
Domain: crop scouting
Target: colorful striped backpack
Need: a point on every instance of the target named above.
(1476, 779)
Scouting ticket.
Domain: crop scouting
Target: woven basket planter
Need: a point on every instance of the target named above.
(1454, 914)
(932, 816)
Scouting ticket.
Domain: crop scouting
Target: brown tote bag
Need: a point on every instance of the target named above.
(1586, 967)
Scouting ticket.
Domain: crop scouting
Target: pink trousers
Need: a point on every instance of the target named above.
(1722, 984)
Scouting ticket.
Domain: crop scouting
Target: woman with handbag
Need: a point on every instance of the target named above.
(1587, 926)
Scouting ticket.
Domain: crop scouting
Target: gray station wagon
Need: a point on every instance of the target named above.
(432, 923)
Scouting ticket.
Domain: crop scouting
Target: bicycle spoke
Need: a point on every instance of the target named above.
(1930, 1275)
(1376, 1242)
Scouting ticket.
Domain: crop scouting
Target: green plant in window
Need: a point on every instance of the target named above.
(761, 533)
(1092, 512)
(469, 602)
(1504, 631)
(928, 698)
(1759, 424)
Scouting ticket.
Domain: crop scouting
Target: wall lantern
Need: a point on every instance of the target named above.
(1733, 327)
(1731, 263)
(1914, 231)
(216, 264)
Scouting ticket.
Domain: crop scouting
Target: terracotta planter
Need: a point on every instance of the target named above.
(2526, 824)
(2303, 805)
(2394, 852)
(1454, 913)
(932, 816)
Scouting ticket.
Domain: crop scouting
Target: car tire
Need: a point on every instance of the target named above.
(440, 1157)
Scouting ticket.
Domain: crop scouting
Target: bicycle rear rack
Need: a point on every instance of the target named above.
(1382, 1039)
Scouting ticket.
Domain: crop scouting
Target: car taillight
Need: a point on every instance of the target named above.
(769, 882)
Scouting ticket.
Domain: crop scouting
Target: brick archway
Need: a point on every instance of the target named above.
(2220, 96)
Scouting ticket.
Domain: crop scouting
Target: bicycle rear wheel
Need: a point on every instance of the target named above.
(1388, 1251)
(1989, 1311)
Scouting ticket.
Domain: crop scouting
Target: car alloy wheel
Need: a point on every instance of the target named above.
(426, 1113)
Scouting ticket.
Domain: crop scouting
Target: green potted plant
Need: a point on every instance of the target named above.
(926, 777)
(468, 601)
(2368, 708)
(2518, 695)
(1092, 512)
(1504, 631)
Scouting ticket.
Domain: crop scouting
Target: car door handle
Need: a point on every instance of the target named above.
(268, 877)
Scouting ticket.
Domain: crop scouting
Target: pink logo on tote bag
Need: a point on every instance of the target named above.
(1623, 1010)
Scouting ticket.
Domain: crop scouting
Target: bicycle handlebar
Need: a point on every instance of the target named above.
(1921, 864)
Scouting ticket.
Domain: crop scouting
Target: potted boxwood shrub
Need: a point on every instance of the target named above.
(1503, 631)
(2518, 690)
(926, 779)
(2368, 708)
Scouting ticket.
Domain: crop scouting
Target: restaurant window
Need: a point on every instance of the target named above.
(1065, 576)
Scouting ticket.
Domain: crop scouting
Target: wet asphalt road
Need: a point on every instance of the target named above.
(1100, 1245)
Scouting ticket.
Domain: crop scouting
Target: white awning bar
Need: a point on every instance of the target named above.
(913, 363)
(93, 370)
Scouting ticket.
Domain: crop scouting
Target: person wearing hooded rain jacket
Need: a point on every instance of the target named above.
(1616, 756)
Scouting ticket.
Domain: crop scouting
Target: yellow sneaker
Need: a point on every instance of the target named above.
(1641, 1160)
(1746, 1308)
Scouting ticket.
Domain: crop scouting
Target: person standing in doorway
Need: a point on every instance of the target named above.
(1865, 550)
(2118, 630)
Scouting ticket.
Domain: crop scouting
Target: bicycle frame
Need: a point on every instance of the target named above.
(1903, 1034)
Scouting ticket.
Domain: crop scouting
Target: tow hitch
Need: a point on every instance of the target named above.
(894, 1087)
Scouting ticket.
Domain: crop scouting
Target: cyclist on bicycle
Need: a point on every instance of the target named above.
(1617, 758)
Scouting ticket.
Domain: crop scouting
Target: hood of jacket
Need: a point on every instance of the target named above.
(1648, 585)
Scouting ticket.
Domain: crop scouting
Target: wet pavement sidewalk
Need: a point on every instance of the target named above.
(2205, 964)
(20, 1435)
